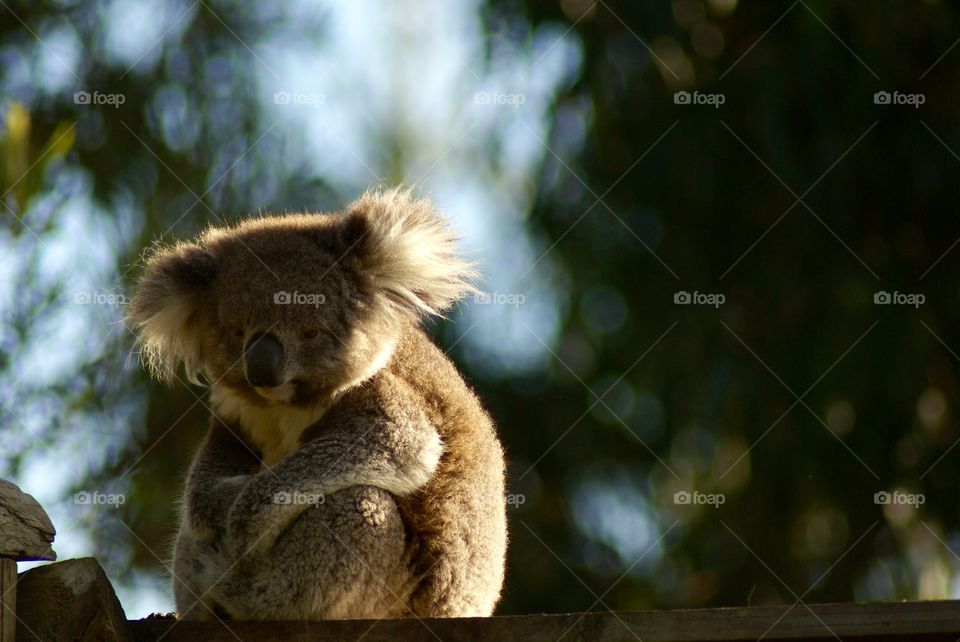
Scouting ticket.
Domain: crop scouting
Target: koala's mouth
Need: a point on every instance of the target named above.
(283, 393)
(294, 392)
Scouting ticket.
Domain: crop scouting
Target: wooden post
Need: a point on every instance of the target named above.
(8, 599)
(25, 535)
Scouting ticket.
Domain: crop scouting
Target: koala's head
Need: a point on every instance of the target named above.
(293, 309)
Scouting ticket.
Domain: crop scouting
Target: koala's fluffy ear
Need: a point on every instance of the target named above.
(164, 308)
(407, 251)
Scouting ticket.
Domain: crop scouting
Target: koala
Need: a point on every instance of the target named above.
(349, 471)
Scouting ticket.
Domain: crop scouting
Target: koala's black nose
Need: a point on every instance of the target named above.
(263, 359)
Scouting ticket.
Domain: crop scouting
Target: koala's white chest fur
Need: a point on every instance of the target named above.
(275, 430)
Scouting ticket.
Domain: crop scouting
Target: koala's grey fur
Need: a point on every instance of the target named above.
(371, 421)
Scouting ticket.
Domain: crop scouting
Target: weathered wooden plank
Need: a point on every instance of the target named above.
(8, 600)
(888, 622)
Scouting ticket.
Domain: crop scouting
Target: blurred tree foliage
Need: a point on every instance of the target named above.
(699, 198)
(798, 399)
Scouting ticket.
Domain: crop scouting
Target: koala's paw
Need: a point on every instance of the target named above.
(431, 449)
(417, 466)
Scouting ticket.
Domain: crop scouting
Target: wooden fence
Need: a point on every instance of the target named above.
(890, 622)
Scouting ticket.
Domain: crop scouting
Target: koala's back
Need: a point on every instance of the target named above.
(458, 521)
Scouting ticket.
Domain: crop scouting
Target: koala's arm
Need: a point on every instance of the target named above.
(220, 470)
(377, 434)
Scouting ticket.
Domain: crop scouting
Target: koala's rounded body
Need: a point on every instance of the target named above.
(349, 471)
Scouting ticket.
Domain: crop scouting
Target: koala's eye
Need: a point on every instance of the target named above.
(309, 333)
(238, 332)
